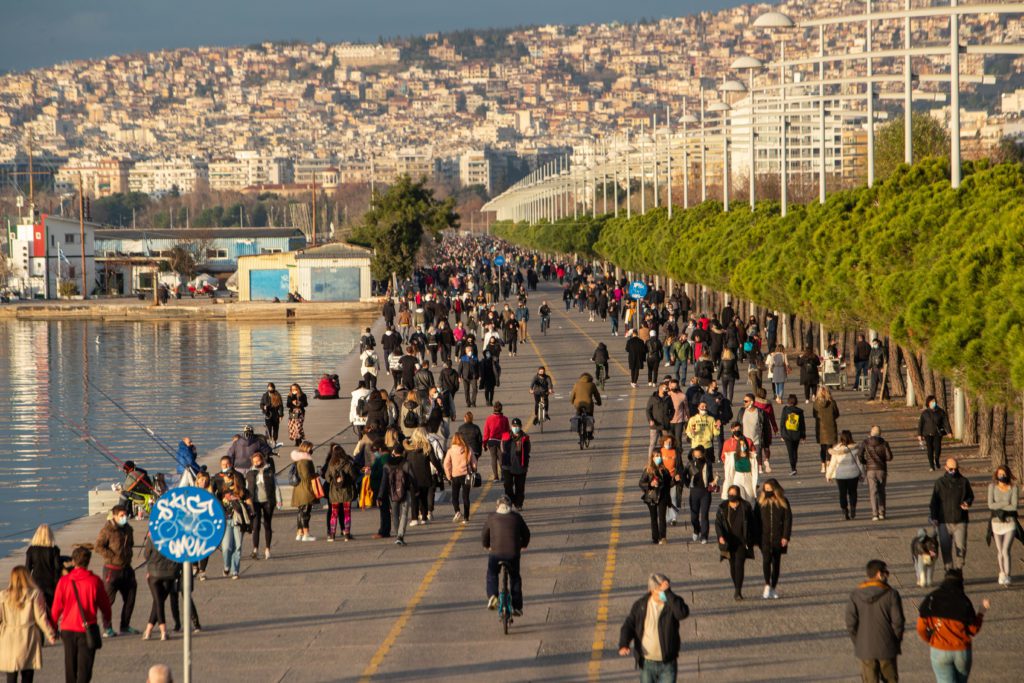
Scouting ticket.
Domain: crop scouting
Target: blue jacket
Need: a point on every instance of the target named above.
(186, 457)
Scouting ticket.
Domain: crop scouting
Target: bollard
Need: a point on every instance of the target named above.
(959, 413)
(910, 392)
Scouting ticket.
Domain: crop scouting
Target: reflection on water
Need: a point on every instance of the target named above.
(180, 378)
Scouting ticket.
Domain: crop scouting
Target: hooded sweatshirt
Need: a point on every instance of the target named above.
(874, 619)
(92, 595)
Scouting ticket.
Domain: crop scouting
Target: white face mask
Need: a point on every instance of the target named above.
(703, 412)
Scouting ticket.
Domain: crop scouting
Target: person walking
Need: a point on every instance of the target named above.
(636, 353)
(952, 496)
(297, 404)
(421, 457)
(874, 620)
(303, 495)
(1003, 497)
(778, 369)
(700, 477)
(659, 415)
(656, 483)
(115, 543)
(875, 456)
(734, 526)
(948, 623)
(42, 559)
(261, 483)
(469, 373)
(340, 475)
(23, 625)
(489, 371)
(808, 362)
(651, 631)
(379, 487)
(826, 426)
(774, 518)
(79, 601)
(844, 467)
(702, 429)
(460, 464)
(496, 430)
(272, 407)
(728, 373)
(739, 464)
(229, 487)
(876, 364)
(932, 428)
(861, 353)
(793, 430)
(161, 573)
(400, 483)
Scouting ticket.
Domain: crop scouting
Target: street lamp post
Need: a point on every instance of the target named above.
(723, 108)
(954, 96)
(750, 64)
(685, 119)
(777, 20)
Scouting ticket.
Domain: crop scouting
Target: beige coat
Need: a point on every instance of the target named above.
(21, 633)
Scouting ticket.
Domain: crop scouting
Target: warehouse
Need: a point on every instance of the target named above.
(333, 272)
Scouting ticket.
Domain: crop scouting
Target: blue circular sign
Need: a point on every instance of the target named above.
(187, 524)
(499, 261)
(637, 290)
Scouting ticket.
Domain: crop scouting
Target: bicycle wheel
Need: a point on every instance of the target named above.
(541, 408)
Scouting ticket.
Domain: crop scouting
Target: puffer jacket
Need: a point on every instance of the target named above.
(843, 463)
(585, 394)
(875, 454)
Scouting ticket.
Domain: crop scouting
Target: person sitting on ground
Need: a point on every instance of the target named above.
(325, 389)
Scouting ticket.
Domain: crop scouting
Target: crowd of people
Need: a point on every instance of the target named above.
(445, 333)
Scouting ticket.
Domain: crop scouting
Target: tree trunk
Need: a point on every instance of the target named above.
(970, 437)
(984, 429)
(929, 379)
(895, 377)
(916, 376)
(998, 454)
(1017, 459)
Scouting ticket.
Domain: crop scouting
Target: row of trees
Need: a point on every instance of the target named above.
(940, 271)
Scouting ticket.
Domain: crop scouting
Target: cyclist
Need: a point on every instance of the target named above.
(600, 359)
(585, 395)
(541, 387)
(545, 316)
(505, 536)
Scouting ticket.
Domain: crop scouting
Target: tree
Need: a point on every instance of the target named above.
(398, 220)
(929, 137)
(120, 208)
(182, 260)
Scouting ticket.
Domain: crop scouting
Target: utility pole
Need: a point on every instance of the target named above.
(314, 208)
(81, 233)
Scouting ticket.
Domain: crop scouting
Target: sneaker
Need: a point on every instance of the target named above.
(1007, 581)
(492, 602)
(308, 539)
(202, 576)
(330, 539)
(1002, 579)
(703, 541)
(298, 537)
(737, 597)
(414, 522)
(234, 577)
(881, 516)
(695, 537)
(760, 469)
(255, 553)
(874, 518)
(793, 473)
(767, 593)
(663, 541)
(464, 521)
(457, 517)
(266, 554)
(379, 536)
(226, 573)
(430, 517)
(347, 537)
(633, 384)
(130, 631)
(767, 467)
(774, 594)
(517, 612)
(400, 541)
(109, 633)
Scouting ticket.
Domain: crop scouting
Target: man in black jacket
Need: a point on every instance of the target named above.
(449, 383)
(636, 350)
(651, 630)
(505, 536)
(861, 353)
(659, 414)
(951, 498)
(874, 619)
(472, 435)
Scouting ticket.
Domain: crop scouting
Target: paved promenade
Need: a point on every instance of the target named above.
(372, 610)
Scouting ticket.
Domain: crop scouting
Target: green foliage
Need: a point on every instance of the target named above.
(397, 222)
(938, 269)
(117, 208)
(929, 137)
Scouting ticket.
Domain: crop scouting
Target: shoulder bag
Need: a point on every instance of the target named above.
(93, 641)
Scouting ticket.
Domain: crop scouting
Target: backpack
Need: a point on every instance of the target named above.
(793, 422)
(398, 482)
(748, 346)
(293, 475)
(411, 420)
(361, 407)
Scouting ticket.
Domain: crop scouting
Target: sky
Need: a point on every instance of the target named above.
(37, 33)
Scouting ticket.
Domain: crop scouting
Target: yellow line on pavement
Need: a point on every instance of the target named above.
(421, 591)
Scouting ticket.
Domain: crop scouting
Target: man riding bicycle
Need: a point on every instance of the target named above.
(583, 398)
(600, 359)
(541, 387)
(505, 536)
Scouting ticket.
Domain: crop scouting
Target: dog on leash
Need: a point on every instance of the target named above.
(924, 549)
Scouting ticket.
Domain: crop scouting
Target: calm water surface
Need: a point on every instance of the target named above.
(181, 378)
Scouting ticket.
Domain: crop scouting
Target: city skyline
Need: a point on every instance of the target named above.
(111, 27)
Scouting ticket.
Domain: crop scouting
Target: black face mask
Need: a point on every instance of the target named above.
(769, 494)
(733, 498)
(1004, 480)
(951, 473)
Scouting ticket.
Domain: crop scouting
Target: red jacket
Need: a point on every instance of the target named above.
(90, 591)
(326, 388)
(496, 427)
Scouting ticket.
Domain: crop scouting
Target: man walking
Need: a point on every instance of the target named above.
(876, 361)
(951, 498)
(79, 601)
(659, 414)
(861, 352)
(651, 631)
(114, 543)
(874, 618)
(875, 454)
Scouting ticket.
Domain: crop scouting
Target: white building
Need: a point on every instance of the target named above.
(162, 176)
(47, 258)
(248, 169)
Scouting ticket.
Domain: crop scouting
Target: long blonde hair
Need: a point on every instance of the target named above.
(418, 441)
(20, 587)
(43, 536)
(778, 499)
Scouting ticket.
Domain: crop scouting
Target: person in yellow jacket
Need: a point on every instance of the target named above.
(703, 430)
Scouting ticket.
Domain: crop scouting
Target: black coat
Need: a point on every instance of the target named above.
(636, 351)
(376, 409)
(449, 381)
(44, 566)
(744, 536)
(631, 634)
(660, 410)
(948, 494)
(662, 490)
(933, 423)
(775, 524)
(808, 369)
(473, 437)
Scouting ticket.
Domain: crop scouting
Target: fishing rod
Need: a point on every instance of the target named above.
(83, 434)
(136, 421)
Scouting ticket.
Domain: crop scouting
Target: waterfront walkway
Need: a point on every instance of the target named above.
(372, 610)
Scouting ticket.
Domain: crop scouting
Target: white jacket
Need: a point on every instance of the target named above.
(844, 463)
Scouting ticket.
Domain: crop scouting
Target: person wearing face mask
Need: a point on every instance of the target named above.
(735, 527)
(114, 543)
(515, 462)
(489, 376)
(703, 429)
(262, 486)
(876, 362)
(739, 464)
(651, 631)
(875, 622)
(272, 407)
(296, 404)
(700, 477)
(656, 483)
(932, 427)
(775, 519)
(670, 459)
(952, 496)
(1003, 497)
(659, 414)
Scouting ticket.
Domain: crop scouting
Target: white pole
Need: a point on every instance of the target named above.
(954, 95)
(753, 157)
(686, 164)
(643, 170)
(668, 158)
(654, 135)
(186, 576)
(821, 114)
(629, 183)
(703, 152)
(871, 107)
(908, 105)
(782, 131)
(725, 163)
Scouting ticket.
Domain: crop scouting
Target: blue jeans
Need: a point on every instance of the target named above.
(658, 672)
(515, 579)
(778, 388)
(681, 370)
(231, 547)
(951, 666)
(615, 323)
(568, 303)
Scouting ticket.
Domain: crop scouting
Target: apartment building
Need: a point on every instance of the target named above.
(164, 176)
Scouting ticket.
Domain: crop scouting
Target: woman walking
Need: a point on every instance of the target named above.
(340, 475)
(700, 477)
(297, 404)
(728, 373)
(845, 468)
(932, 428)
(734, 526)
(826, 429)
(23, 625)
(776, 523)
(303, 496)
(656, 483)
(793, 427)
(160, 575)
(1002, 502)
(808, 362)
(42, 559)
(272, 406)
(203, 481)
(459, 467)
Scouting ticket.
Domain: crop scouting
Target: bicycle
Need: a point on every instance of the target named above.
(545, 323)
(601, 374)
(583, 430)
(542, 409)
(504, 596)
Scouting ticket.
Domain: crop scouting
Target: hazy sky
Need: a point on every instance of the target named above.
(42, 32)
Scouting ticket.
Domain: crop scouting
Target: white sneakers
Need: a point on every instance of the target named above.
(414, 522)
(1004, 579)
(457, 517)
(769, 593)
(308, 539)
(767, 467)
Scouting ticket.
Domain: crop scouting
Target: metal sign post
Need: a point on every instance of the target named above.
(186, 525)
(499, 261)
(637, 292)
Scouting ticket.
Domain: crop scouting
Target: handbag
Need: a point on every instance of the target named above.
(317, 487)
(93, 641)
